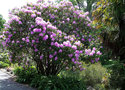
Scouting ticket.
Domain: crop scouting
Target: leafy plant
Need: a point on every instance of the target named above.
(3, 64)
(117, 70)
(95, 74)
(57, 83)
(25, 74)
(4, 57)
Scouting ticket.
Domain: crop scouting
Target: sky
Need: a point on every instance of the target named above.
(6, 5)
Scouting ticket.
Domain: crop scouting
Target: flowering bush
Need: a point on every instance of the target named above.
(51, 35)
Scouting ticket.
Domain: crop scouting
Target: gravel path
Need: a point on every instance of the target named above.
(7, 84)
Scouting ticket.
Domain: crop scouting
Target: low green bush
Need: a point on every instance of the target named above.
(25, 74)
(3, 64)
(4, 57)
(57, 83)
(95, 74)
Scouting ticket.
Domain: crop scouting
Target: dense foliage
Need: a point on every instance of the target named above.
(2, 21)
(53, 36)
(109, 17)
(55, 46)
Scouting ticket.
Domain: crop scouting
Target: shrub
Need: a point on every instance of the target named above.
(4, 57)
(25, 74)
(3, 64)
(96, 74)
(93, 75)
(53, 36)
(56, 83)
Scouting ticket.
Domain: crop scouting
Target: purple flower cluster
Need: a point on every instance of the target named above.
(93, 54)
(37, 30)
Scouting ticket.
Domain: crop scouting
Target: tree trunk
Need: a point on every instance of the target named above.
(40, 67)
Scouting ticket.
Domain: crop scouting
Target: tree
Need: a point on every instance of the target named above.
(53, 36)
(2, 21)
(82, 5)
(111, 14)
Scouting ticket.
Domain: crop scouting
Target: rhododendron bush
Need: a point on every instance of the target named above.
(52, 35)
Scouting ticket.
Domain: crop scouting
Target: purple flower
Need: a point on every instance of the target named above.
(96, 59)
(81, 51)
(20, 22)
(27, 40)
(17, 41)
(92, 61)
(9, 36)
(81, 69)
(41, 57)
(55, 52)
(33, 15)
(23, 39)
(39, 1)
(52, 43)
(63, 21)
(67, 43)
(44, 28)
(36, 50)
(74, 47)
(32, 32)
(13, 41)
(56, 44)
(88, 25)
(91, 54)
(74, 22)
(94, 48)
(87, 51)
(51, 27)
(60, 50)
(83, 39)
(21, 46)
(89, 40)
(77, 51)
(41, 34)
(36, 30)
(33, 41)
(86, 13)
(43, 31)
(99, 53)
(67, 19)
(41, 22)
(32, 26)
(61, 45)
(73, 60)
(50, 56)
(45, 37)
(39, 13)
(77, 43)
(76, 55)
(71, 39)
(56, 58)
(70, 55)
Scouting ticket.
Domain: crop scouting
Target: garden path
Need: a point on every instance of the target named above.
(6, 83)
